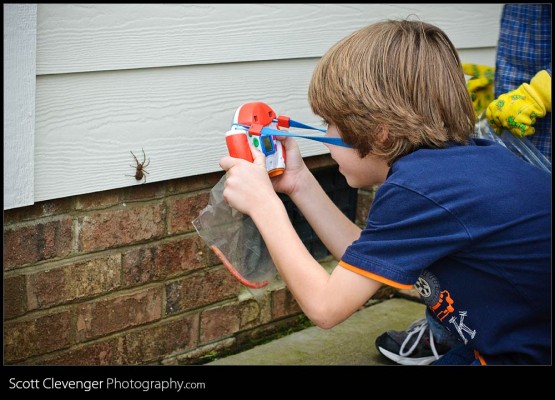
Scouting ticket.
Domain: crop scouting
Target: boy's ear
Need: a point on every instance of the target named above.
(383, 134)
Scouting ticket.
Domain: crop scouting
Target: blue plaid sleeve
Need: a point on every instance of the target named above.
(524, 49)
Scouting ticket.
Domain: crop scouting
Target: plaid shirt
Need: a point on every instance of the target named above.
(524, 49)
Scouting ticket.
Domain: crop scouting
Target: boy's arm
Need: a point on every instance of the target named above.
(326, 299)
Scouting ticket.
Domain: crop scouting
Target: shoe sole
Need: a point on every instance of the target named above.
(406, 361)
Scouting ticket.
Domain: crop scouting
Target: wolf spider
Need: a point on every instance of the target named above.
(140, 170)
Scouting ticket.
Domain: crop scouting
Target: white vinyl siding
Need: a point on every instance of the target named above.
(167, 78)
(20, 35)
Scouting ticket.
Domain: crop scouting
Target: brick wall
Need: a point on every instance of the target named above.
(120, 277)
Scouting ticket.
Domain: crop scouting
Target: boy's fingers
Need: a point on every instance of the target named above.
(258, 156)
(228, 162)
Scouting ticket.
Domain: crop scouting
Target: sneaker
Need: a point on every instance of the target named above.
(415, 346)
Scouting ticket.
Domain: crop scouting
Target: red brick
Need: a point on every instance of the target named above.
(139, 266)
(153, 343)
(365, 197)
(210, 258)
(194, 183)
(99, 318)
(38, 210)
(14, 296)
(163, 260)
(218, 323)
(284, 304)
(385, 292)
(146, 191)
(262, 333)
(33, 336)
(321, 161)
(182, 211)
(411, 294)
(88, 354)
(95, 200)
(68, 283)
(199, 290)
(36, 242)
(201, 354)
(122, 226)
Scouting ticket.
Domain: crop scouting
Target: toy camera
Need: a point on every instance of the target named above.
(246, 129)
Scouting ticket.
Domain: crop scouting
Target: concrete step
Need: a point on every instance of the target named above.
(349, 343)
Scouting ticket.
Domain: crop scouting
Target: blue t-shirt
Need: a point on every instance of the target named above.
(470, 228)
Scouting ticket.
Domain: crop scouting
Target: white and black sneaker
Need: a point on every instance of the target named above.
(415, 346)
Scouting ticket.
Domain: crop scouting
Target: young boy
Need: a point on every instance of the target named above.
(464, 221)
(517, 99)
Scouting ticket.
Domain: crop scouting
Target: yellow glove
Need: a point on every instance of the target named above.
(480, 86)
(517, 110)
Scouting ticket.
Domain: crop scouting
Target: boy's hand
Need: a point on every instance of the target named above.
(517, 110)
(480, 85)
(248, 184)
(289, 181)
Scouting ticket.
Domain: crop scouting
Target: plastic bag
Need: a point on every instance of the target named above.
(520, 146)
(235, 239)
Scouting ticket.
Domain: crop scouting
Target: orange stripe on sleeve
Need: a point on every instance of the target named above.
(479, 358)
(375, 277)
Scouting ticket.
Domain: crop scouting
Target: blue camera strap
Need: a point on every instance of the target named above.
(265, 131)
(323, 139)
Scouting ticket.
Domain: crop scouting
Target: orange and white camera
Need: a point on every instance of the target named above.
(246, 130)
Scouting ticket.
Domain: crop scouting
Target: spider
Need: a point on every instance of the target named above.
(140, 170)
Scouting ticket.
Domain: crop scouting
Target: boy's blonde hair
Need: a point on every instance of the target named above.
(403, 78)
